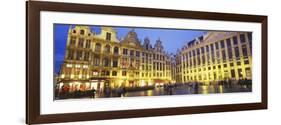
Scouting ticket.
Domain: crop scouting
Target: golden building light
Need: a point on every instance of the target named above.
(105, 61)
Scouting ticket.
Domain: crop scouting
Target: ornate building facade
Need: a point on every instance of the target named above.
(101, 60)
(215, 56)
(96, 61)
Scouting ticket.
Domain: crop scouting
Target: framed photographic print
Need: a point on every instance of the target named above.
(93, 62)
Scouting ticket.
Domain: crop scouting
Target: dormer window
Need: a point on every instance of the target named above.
(108, 36)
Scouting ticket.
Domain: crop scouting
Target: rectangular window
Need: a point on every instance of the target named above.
(250, 40)
(70, 54)
(79, 55)
(224, 65)
(115, 63)
(124, 73)
(228, 43)
(232, 73)
(244, 50)
(88, 43)
(198, 51)
(114, 73)
(217, 45)
(207, 48)
(242, 38)
(222, 44)
(202, 50)
(108, 36)
(138, 53)
(212, 47)
(72, 41)
(236, 50)
(238, 63)
(203, 59)
(223, 55)
(86, 56)
(81, 42)
(246, 61)
(240, 73)
(235, 41)
(125, 51)
(96, 60)
(229, 53)
(248, 73)
(131, 52)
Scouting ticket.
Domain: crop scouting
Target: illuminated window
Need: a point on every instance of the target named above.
(240, 73)
(248, 72)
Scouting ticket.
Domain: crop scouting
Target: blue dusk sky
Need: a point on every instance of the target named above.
(172, 39)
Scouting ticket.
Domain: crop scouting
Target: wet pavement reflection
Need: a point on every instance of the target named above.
(187, 89)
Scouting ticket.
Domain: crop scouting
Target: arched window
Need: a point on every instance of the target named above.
(82, 32)
(107, 49)
(116, 50)
(98, 47)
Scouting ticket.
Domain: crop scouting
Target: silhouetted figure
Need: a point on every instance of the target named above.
(107, 92)
(196, 88)
(93, 93)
